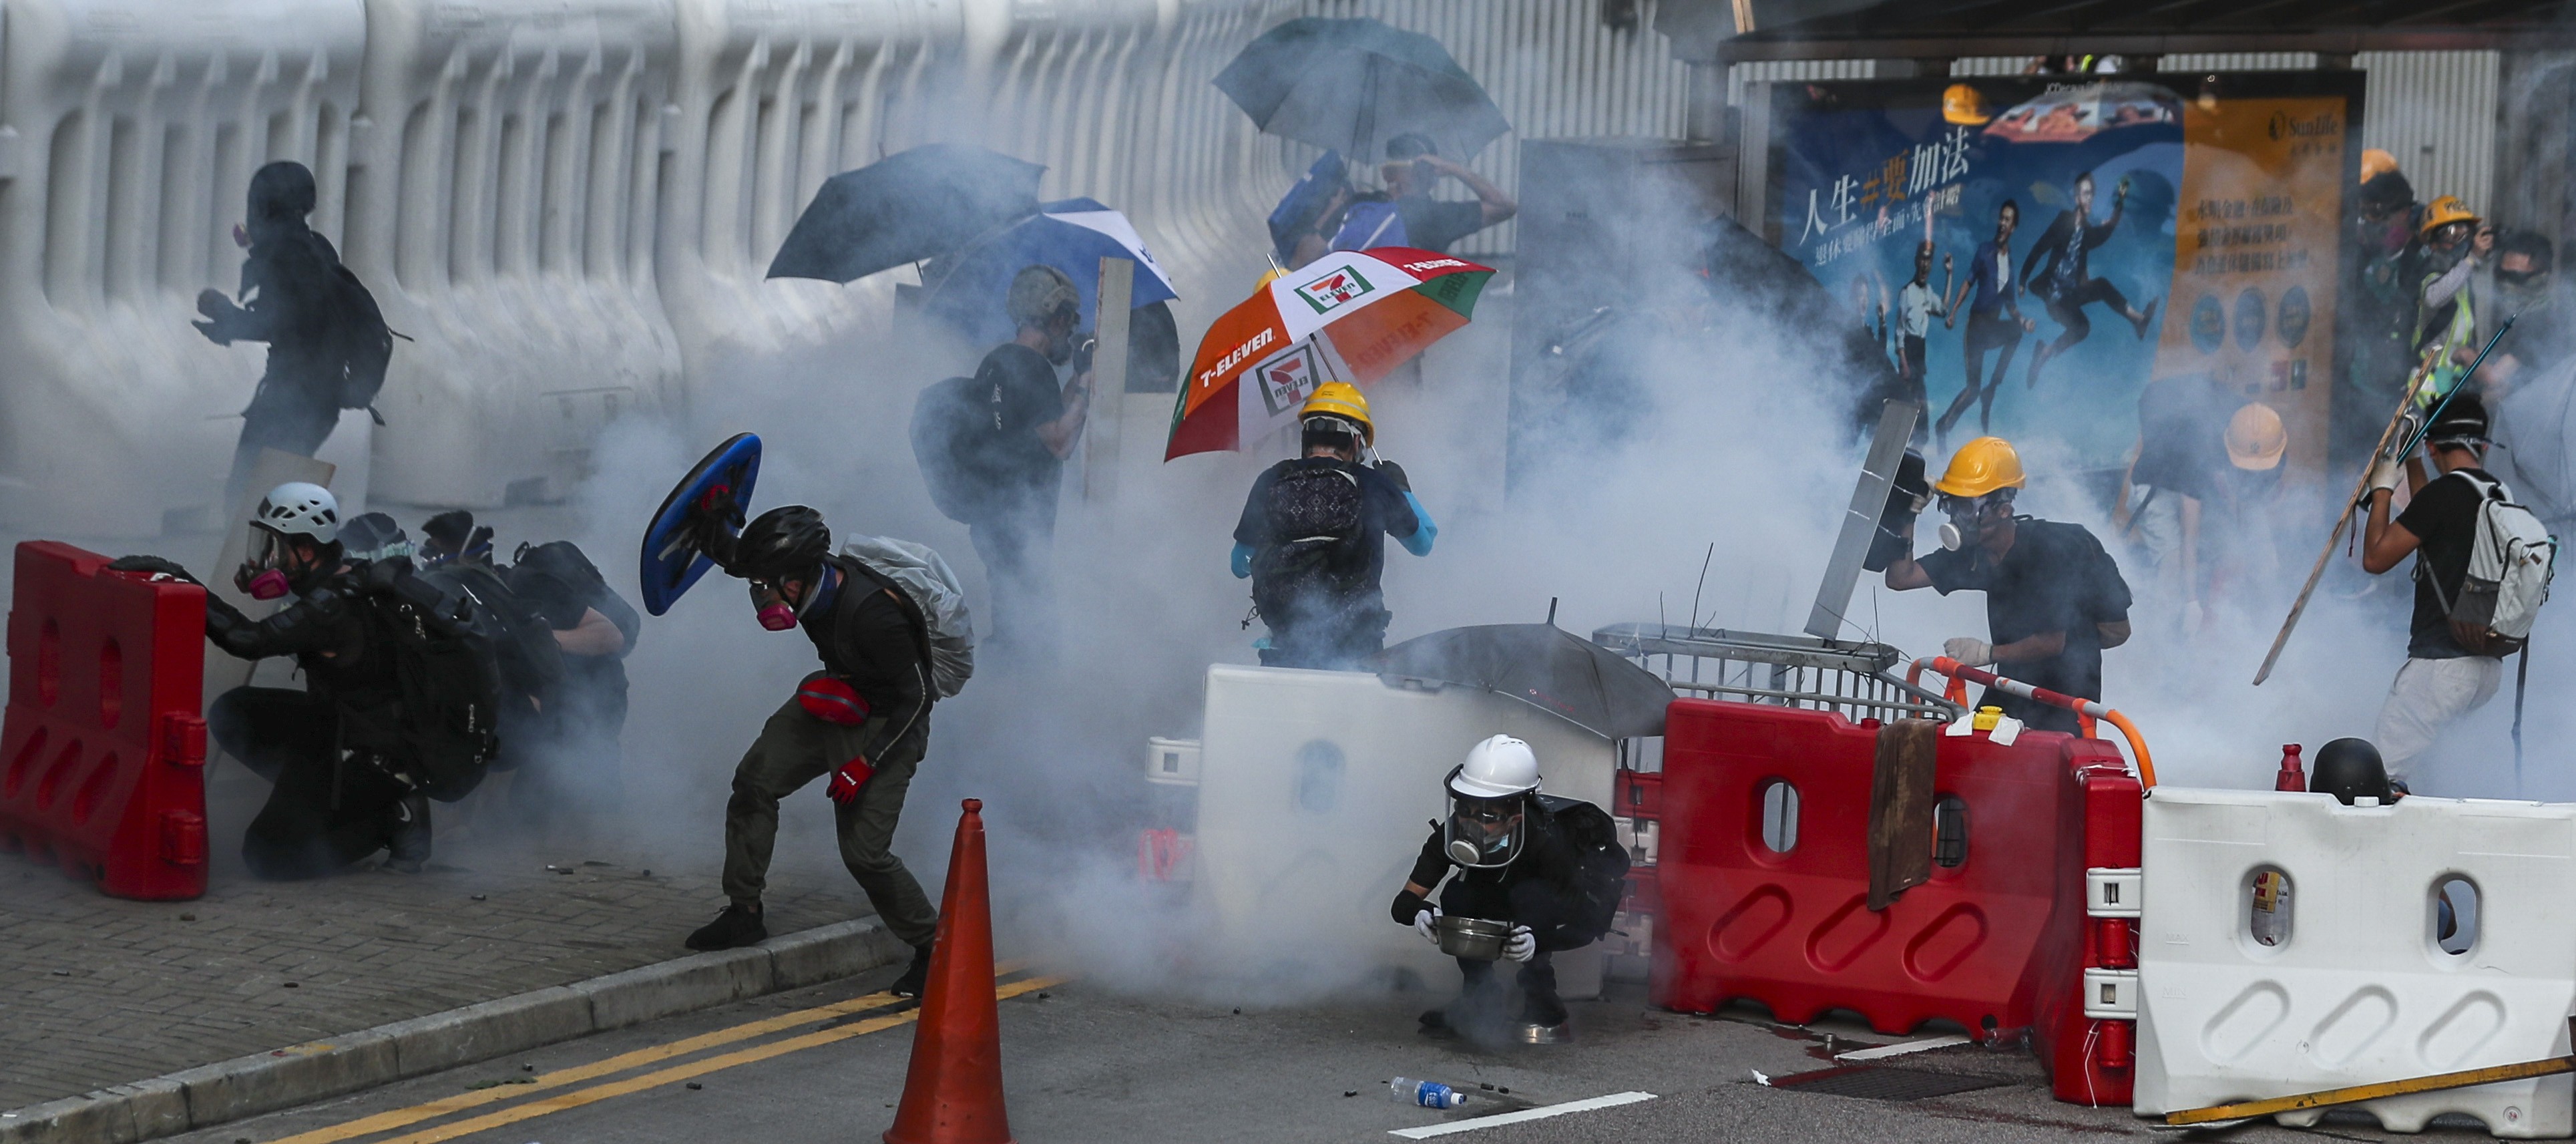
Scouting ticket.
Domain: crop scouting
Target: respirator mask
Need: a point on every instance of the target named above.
(1969, 516)
(261, 578)
(769, 599)
(1484, 832)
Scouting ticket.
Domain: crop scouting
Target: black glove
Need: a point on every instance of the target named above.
(152, 564)
(1395, 472)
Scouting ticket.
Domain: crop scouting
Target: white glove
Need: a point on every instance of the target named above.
(1422, 923)
(1969, 651)
(1523, 945)
(2385, 473)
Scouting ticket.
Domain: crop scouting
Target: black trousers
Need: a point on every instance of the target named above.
(2068, 310)
(1485, 1001)
(322, 813)
(1986, 334)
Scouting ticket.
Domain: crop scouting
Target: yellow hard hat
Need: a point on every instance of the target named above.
(1344, 400)
(2444, 211)
(1964, 105)
(1269, 276)
(1980, 467)
(2375, 162)
(2255, 438)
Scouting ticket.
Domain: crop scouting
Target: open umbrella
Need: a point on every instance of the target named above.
(967, 287)
(906, 207)
(2076, 113)
(1351, 315)
(1351, 85)
(1542, 665)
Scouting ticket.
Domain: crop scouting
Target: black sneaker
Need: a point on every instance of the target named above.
(408, 848)
(737, 926)
(915, 978)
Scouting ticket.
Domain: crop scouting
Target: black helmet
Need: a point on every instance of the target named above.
(2350, 769)
(790, 540)
(2463, 422)
(281, 192)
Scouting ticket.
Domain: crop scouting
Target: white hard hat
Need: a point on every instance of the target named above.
(298, 508)
(1495, 768)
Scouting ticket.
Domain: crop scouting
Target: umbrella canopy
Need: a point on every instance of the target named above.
(906, 207)
(968, 287)
(1542, 665)
(1350, 316)
(1351, 85)
(2073, 114)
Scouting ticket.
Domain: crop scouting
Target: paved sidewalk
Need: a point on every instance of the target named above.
(96, 991)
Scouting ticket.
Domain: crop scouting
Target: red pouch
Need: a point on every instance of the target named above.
(832, 701)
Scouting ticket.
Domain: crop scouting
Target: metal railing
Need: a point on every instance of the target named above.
(1849, 677)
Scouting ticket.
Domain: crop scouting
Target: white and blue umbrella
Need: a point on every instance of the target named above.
(968, 289)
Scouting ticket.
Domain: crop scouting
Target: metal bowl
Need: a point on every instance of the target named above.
(1475, 939)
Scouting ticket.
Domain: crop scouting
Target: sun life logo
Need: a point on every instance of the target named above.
(1334, 290)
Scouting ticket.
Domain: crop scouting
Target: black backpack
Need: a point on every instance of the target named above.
(1314, 517)
(523, 643)
(448, 673)
(361, 344)
(946, 420)
(558, 580)
(1600, 869)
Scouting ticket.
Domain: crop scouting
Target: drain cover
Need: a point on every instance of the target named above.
(1872, 1083)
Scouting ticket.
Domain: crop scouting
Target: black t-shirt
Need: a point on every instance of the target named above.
(2055, 578)
(1383, 511)
(2182, 428)
(2444, 518)
(1432, 224)
(1014, 391)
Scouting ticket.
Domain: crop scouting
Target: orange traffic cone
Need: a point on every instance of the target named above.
(953, 1094)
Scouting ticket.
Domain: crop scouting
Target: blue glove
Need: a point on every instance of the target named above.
(1242, 560)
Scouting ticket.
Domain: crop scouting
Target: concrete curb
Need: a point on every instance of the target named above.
(299, 1074)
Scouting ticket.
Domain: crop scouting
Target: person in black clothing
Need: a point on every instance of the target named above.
(2059, 271)
(1995, 323)
(1413, 166)
(290, 300)
(2054, 599)
(2441, 681)
(1512, 864)
(332, 751)
(575, 758)
(864, 720)
(1013, 462)
(1312, 538)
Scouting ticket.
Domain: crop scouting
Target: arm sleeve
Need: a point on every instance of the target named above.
(1248, 529)
(1427, 872)
(2111, 597)
(2441, 288)
(320, 622)
(880, 634)
(2049, 240)
(1241, 562)
(1947, 570)
(1418, 541)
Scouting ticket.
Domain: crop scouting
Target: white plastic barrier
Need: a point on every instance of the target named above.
(1316, 789)
(131, 130)
(2361, 988)
(502, 211)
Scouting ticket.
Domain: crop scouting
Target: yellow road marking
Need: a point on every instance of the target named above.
(757, 1053)
(388, 1121)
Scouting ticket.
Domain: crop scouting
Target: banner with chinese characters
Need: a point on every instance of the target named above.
(2033, 251)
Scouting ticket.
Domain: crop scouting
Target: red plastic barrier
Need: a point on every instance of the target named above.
(1640, 794)
(102, 754)
(1996, 942)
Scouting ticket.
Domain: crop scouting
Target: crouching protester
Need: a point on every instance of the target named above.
(342, 767)
(864, 720)
(1550, 869)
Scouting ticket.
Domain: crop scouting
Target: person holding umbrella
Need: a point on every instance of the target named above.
(1009, 461)
(1413, 167)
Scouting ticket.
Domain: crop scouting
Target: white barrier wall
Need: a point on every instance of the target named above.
(1315, 792)
(504, 193)
(128, 133)
(2361, 989)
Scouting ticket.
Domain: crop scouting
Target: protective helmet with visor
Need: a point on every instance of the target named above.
(1489, 801)
(293, 509)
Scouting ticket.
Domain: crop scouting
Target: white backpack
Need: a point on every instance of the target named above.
(2510, 565)
(925, 577)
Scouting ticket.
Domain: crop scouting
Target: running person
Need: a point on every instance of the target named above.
(2058, 271)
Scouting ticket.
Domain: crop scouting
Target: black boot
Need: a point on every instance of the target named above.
(737, 926)
(914, 978)
(407, 851)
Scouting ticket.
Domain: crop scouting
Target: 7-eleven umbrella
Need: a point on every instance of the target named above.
(1349, 316)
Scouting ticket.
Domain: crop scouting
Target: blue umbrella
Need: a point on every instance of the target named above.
(967, 289)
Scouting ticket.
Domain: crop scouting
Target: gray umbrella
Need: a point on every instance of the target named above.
(1542, 665)
(1353, 84)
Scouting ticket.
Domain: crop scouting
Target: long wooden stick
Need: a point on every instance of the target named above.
(2404, 402)
(2436, 1083)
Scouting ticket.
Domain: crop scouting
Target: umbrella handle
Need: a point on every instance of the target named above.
(957, 257)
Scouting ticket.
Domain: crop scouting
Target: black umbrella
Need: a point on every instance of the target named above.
(1351, 85)
(1542, 665)
(906, 207)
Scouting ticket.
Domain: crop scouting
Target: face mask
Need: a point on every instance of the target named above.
(777, 617)
(1951, 537)
(1465, 853)
(268, 585)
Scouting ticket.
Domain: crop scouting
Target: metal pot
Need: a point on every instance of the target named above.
(1475, 939)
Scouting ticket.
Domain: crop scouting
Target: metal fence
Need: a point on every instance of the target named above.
(1852, 679)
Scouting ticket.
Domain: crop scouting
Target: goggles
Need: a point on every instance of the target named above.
(1484, 832)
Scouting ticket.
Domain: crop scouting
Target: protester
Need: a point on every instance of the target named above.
(1510, 854)
(334, 751)
(372, 536)
(451, 536)
(2521, 285)
(2178, 474)
(1008, 465)
(2380, 330)
(1312, 537)
(319, 324)
(2058, 270)
(1413, 167)
(574, 761)
(2456, 246)
(2441, 680)
(1995, 323)
(1303, 225)
(2054, 599)
(2247, 560)
(864, 720)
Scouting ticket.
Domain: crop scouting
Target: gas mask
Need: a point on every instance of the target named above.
(262, 577)
(769, 601)
(1969, 517)
(1484, 832)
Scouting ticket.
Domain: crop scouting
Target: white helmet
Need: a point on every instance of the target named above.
(298, 508)
(1497, 767)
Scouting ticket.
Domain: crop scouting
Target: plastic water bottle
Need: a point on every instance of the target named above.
(2290, 776)
(1428, 1094)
